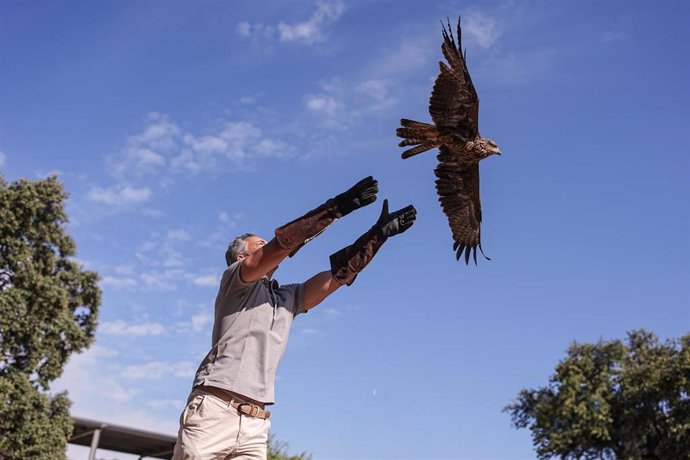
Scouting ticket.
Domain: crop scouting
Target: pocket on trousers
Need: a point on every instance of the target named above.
(193, 409)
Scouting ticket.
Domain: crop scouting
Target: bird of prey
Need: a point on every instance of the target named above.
(454, 109)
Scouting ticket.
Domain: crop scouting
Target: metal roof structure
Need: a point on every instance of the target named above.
(121, 439)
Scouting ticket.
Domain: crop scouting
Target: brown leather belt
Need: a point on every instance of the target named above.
(242, 406)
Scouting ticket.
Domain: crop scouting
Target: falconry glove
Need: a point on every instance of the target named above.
(300, 231)
(349, 261)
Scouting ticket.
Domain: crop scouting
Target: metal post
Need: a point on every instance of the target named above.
(94, 443)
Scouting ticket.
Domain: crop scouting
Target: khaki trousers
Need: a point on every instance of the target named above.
(211, 428)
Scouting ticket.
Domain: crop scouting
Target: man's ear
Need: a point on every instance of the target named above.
(241, 256)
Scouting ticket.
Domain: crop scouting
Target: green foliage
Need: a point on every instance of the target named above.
(48, 310)
(32, 425)
(277, 450)
(613, 400)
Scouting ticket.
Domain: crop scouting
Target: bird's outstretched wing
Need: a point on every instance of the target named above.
(458, 190)
(454, 105)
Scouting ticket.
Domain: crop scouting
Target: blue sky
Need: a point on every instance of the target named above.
(176, 126)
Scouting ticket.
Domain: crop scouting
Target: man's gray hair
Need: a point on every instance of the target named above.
(238, 247)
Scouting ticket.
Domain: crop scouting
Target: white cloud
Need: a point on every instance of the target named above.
(206, 280)
(481, 28)
(366, 97)
(3, 157)
(244, 29)
(312, 30)
(308, 32)
(332, 312)
(407, 58)
(152, 212)
(145, 153)
(119, 327)
(165, 403)
(161, 133)
(322, 103)
(118, 282)
(178, 235)
(163, 281)
(80, 373)
(239, 142)
(227, 218)
(119, 195)
(206, 144)
(110, 400)
(199, 321)
(155, 370)
(378, 90)
(124, 269)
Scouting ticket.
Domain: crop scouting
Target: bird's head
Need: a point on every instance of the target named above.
(487, 147)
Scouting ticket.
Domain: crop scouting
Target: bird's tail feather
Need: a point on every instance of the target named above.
(422, 135)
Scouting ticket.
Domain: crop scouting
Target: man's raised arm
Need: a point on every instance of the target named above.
(349, 261)
(290, 237)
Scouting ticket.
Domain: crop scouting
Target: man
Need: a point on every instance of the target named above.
(226, 416)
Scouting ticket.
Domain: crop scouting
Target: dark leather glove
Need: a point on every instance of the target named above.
(359, 195)
(349, 261)
(397, 222)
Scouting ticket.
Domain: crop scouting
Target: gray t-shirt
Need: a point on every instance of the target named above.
(250, 333)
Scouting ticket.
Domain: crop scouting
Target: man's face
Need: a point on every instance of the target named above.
(253, 243)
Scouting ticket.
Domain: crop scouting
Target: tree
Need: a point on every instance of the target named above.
(277, 450)
(48, 310)
(613, 400)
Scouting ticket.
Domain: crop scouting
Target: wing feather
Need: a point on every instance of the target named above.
(457, 186)
(454, 105)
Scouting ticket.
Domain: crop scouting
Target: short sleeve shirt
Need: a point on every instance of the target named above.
(250, 334)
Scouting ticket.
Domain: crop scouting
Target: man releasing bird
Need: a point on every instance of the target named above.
(454, 109)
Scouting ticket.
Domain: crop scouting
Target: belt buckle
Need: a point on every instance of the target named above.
(253, 409)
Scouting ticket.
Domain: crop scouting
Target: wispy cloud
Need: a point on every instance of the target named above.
(119, 195)
(310, 31)
(85, 368)
(118, 282)
(145, 153)
(178, 234)
(198, 321)
(224, 231)
(155, 370)
(165, 403)
(378, 92)
(114, 398)
(239, 143)
(340, 106)
(119, 327)
(206, 280)
(161, 151)
(481, 28)
(244, 29)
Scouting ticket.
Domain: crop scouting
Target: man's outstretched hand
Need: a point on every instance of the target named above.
(396, 222)
(361, 194)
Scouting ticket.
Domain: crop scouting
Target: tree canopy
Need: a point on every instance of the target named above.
(613, 399)
(278, 450)
(48, 310)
